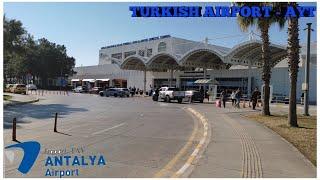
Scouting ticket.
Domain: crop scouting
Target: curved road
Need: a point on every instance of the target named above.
(137, 137)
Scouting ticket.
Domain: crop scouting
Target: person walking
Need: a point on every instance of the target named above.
(238, 97)
(254, 98)
(233, 98)
(223, 98)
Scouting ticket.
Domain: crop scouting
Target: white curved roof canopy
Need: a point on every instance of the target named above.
(134, 62)
(163, 62)
(207, 56)
(249, 52)
(203, 58)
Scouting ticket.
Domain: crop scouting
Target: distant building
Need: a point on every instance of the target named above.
(166, 60)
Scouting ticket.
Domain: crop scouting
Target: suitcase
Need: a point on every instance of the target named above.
(218, 103)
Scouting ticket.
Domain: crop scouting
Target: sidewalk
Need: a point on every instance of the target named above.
(18, 99)
(244, 148)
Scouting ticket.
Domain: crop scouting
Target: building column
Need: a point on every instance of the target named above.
(204, 85)
(178, 80)
(249, 79)
(144, 80)
(171, 78)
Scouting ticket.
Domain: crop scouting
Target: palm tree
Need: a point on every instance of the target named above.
(263, 24)
(293, 61)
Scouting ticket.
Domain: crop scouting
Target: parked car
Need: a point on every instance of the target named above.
(116, 92)
(18, 88)
(95, 90)
(79, 89)
(31, 87)
(172, 93)
(126, 91)
(8, 87)
(196, 96)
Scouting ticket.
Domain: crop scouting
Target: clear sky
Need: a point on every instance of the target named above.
(86, 27)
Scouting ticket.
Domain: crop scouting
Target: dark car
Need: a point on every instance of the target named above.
(116, 92)
(95, 90)
(197, 96)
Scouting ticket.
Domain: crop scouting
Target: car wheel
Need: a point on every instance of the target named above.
(201, 101)
(101, 94)
(168, 99)
(115, 95)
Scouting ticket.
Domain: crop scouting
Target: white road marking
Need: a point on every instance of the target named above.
(104, 130)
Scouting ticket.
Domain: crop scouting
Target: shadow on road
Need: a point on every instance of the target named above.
(36, 111)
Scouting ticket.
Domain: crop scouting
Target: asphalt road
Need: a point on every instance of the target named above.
(136, 136)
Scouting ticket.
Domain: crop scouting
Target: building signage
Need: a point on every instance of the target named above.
(220, 11)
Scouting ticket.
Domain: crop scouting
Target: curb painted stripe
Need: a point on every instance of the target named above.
(195, 154)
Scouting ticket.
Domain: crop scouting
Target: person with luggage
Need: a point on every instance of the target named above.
(223, 98)
(254, 98)
(238, 97)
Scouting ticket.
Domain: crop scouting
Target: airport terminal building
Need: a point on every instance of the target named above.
(172, 61)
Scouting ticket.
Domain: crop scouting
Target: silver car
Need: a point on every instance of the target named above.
(116, 92)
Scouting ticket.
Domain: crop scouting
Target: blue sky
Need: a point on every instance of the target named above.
(86, 27)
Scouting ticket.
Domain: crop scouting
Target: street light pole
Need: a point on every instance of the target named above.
(307, 72)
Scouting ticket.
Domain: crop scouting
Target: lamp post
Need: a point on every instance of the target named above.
(307, 72)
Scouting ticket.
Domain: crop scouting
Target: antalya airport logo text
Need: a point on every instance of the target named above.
(60, 163)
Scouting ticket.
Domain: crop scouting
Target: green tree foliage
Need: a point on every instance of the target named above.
(41, 58)
(263, 25)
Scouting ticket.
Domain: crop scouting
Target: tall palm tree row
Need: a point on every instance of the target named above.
(293, 61)
(263, 24)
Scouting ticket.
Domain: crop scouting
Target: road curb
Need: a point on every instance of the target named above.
(191, 162)
(20, 103)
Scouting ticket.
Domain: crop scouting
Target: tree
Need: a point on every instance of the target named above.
(23, 55)
(263, 24)
(14, 36)
(293, 61)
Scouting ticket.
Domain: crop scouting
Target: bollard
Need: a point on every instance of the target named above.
(14, 129)
(55, 122)
(244, 104)
(42, 92)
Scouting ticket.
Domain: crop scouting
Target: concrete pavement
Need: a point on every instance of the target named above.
(18, 99)
(244, 148)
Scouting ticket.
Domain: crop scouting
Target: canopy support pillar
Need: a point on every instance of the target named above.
(204, 85)
(144, 80)
(249, 80)
(171, 78)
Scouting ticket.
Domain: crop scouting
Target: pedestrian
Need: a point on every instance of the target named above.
(238, 97)
(223, 98)
(254, 97)
(233, 98)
